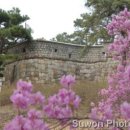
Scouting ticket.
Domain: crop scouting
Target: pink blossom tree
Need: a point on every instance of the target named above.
(115, 102)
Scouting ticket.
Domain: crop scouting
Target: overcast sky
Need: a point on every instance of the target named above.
(48, 17)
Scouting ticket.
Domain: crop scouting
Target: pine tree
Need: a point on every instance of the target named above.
(11, 28)
(12, 31)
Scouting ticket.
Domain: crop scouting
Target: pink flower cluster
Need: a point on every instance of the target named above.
(115, 99)
(67, 81)
(31, 122)
(120, 23)
(59, 106)
(23, 96)
(62, 104)
(125, 110)
(120, 28)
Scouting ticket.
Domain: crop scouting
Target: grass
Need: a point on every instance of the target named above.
(87, 90)
(5, 95)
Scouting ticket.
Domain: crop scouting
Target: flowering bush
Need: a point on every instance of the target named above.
(115, 99)
(59, 106)
(23, 97)
(63, 104)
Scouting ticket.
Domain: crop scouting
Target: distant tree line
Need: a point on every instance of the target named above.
(91, 27)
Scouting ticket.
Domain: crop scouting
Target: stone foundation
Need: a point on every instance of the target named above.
(42, 70)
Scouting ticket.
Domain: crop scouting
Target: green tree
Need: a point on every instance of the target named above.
(75, 38)
(92, 25)
(63, 37)
(12, 29)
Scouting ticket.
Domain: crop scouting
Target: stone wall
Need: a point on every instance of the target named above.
(56, 50)
(45, 61)
(46, 70)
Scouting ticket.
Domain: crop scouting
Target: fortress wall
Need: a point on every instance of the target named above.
(47, 70)
(45, 61)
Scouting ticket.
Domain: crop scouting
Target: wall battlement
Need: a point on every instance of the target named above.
(46, 61)
(57, 50)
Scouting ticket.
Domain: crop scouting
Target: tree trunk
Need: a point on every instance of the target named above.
(1, 45)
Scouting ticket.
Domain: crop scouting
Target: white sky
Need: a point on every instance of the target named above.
(48, 17)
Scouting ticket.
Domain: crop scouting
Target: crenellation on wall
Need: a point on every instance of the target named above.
(61, 51)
